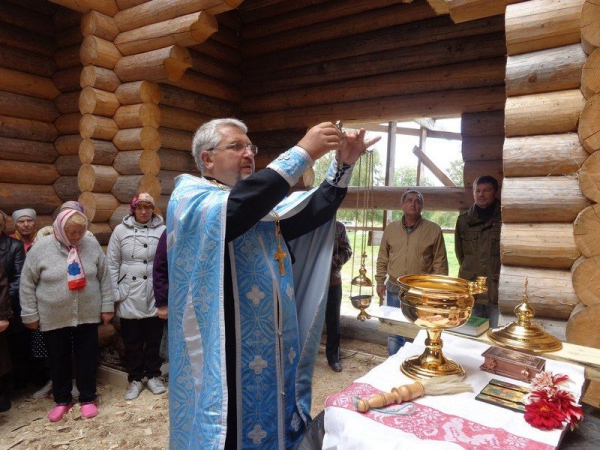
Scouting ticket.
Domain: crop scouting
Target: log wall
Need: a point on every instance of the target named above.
(542, 155)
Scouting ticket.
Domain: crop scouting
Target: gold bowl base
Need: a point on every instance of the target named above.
(418, 367)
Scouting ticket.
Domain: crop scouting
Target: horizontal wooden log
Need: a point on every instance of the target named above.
(69, 37)
(195, 82)
(182, 119)
(159, 10)
(550, 291)
(99, 207)
(125, 4)
(345, 26)
(221, 52)
(388, 197)
(45, 8)
(67, 103)
(128, 186)
(407, 107)
(257, 10)
(165, 64)
(138, 162)
(93, 151)
(100, 25)
(21, 172)
(587, 231)
(138, 92)
(466, 10)
(589, 125)
(586, 279)
(458, 76)
(68, 145)
(590, 14)
(214, 68)
(146, 138)
(27, 84)
(67, 80)
(550, 245)
(224, 6)
(28, 151)
(26, 129)
(97, 127)
(67, 57)
(314, 12)
(101, 231)
(25, 107)
(482, 148)
(96, 178)
(20, 38)
(589, 177)
(184, 99)
(26, 61)
(590, 76)
(98, 102)
(389, 40)
(227, 35)
(117, 217)
(554, 154)
(99, 78)
(41, 198)
(474, 169)
(78, 5)
(66, 18)
(67, 165)
(547, 113)
(99, 52)
(540, 24)
(66, 188)
(176, 160)
(482, 124)
(582, 326)
(550, 70)
(139, 115)
(541, 199)
(190, 29)
(68, 123)
(175, 139)
(167, 181)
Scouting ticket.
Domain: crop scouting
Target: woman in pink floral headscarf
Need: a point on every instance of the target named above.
(65, 292)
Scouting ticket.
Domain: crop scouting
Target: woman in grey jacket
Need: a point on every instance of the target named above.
(130, 258)
(66, 291)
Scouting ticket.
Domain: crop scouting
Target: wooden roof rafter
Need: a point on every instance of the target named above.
(467, 10)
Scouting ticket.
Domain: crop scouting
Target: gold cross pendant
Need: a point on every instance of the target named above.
(280, 255)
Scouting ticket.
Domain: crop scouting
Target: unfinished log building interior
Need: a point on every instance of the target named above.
(99, 100)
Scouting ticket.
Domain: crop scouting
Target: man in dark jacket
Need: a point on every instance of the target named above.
(5, 365)
(341, 254)
(477, 244)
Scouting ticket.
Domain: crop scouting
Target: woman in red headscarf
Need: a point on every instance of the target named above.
(65, 292)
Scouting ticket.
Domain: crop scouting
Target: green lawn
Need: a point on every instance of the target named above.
(349, 270)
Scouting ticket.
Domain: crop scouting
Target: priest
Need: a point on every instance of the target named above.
(248, 270)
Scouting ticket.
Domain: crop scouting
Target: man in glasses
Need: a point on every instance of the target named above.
(244, 326)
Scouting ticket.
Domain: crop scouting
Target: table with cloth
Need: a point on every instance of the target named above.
(455, 421)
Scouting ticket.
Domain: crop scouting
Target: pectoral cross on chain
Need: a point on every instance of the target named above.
(280, 255)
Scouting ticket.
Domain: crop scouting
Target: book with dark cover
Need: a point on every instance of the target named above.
(475, 326)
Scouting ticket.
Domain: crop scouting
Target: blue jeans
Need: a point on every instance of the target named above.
(488, 311)
(394, 342)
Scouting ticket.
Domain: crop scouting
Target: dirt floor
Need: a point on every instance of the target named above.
(144, 422)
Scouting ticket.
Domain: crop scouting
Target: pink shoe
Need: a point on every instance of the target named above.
(89, 410)
(58, 412)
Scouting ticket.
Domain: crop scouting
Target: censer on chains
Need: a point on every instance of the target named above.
(364, 215)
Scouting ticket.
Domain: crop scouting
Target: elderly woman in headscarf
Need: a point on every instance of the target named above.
(25, 226)
(66, 292)
(130, 259)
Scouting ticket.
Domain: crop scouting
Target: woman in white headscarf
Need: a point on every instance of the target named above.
(65, 292)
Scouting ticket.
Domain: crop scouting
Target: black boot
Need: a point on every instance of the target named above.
(4, 394)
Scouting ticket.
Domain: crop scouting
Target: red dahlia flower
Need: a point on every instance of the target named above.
(544, 415)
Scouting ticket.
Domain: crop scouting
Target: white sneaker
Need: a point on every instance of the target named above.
(44, 391)
(133, 391)
(157, 385)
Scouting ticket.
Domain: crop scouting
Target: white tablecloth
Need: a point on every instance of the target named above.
(440, 422)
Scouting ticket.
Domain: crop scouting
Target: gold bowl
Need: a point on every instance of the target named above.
(436, 302)
(361, 302)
